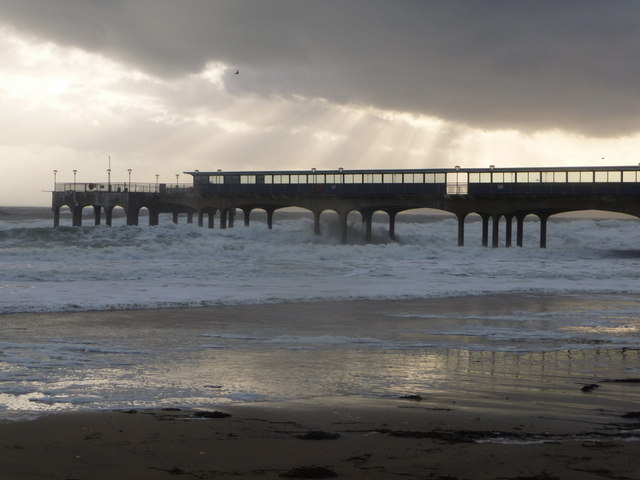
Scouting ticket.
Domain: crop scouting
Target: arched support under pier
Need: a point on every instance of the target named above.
(367, 219)
(461, 217)
(56, 217)
(96, 214)
(224, 213)
(485, 229)
(231, 217)
(189, 217)
(495, 230)
(392, 224)
(270, 217)
(109, 216)
(543, 229)
(175, 217)
(247, 216)
(212, 216)
(316, 221)
(200, 218)
(132, 216)
(342, 219)
(154, 217)
(519, 229)
(76, 216)
(508, 230)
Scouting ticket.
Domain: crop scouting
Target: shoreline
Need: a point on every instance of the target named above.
(464, 299)
(482, 415)
(324, 438)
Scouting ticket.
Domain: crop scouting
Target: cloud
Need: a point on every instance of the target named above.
(526, 65)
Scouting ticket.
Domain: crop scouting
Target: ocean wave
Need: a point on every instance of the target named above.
(120, 267)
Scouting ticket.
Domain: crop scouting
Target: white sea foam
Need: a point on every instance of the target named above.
(95, 268)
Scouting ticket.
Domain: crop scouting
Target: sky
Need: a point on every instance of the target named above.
(150, 85)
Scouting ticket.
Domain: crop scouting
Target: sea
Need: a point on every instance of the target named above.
(111, 317)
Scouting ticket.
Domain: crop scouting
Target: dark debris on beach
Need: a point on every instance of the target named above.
(311, 471)
(318, 435)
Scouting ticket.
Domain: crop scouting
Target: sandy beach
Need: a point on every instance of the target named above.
(487, 415)
(345, 438)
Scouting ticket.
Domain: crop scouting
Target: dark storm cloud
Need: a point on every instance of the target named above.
(523, 64)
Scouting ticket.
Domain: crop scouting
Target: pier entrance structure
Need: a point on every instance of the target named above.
(493, 194)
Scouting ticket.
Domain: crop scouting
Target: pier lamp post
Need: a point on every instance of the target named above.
(177, 180)
(55, 174)
(75, 172)
(109, 175)
(157, 177)
(129, 170)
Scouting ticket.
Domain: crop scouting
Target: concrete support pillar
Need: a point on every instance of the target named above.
(519, 229)
(56, 217)
(495, 231)
(132, 216)
(77, 216)
(223, 218)
(212, 216)
(231, 216)
(247, 216)
(485, 229)
(270, 218)
(543, 230)
(507, 239)
(109, 215)
(342, 219)
(200, 218)
(154, 217)
(316, 221)
(367, 219)
(392, 225)
(175, 217)
(461, 217)
(96, 214)
(189, 218)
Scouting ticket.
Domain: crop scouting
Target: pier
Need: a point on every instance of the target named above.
(493, 193)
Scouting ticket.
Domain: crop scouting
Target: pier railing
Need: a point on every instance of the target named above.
(123, 187)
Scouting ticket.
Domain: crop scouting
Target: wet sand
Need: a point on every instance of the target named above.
(498, 424)
(345, 438)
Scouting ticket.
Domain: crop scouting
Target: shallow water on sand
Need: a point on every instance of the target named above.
(522, 345)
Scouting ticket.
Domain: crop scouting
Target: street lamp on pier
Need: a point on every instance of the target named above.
(55, 174)
(129, 170)
(157, 178)
(75, 172)
(177, 180)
